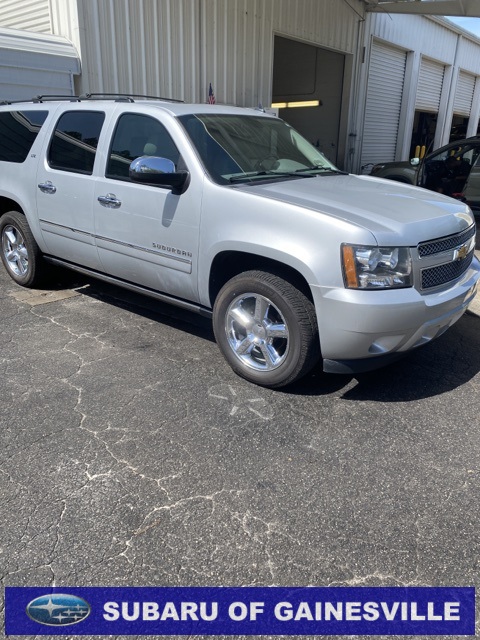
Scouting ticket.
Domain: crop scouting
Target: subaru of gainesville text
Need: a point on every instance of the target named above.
(230, 212)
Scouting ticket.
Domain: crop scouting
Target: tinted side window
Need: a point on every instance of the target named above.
(75, 140)
(18, 130)
(138, 135)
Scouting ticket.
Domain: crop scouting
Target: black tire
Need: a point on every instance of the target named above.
(20, 253)
(266, 329)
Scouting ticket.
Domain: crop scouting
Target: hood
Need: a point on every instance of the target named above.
(396, 213)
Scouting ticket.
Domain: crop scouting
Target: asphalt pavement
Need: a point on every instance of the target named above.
(132, 455)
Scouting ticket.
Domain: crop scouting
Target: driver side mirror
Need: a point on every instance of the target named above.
(159, 172)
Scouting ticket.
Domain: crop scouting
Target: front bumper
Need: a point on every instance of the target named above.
(379, 326)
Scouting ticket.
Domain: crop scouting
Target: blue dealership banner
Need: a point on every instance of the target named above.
(240, 611)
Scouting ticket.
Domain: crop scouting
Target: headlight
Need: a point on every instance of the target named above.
(376, 267)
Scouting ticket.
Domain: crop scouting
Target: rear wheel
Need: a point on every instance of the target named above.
(19, 251)
(266, 329)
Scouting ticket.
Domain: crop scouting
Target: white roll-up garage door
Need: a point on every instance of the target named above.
(464, 94)
(384, 101)
(430, 84)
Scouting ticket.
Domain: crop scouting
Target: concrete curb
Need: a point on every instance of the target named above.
(475, 304)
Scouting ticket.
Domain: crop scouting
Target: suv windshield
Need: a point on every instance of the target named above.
(238, 148)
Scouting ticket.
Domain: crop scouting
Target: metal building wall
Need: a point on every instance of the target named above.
(433, 37)
(134, 46)
(468, 56)
(427, 41)
(175, 48)
(416, 33)
(237, 40)
(32, 15)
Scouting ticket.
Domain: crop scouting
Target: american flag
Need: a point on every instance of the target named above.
(211, 95)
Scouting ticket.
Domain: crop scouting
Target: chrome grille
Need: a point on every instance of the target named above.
(445, 244)
(435, 276)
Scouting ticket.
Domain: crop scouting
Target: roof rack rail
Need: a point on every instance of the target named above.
(118, 97)
(45, 98)
(123, 97)
(6, 102)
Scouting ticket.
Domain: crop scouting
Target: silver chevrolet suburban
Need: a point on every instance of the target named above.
(230, 212)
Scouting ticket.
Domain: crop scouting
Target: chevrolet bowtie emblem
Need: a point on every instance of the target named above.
(461, 252)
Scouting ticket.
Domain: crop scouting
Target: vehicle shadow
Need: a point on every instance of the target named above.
(439, 367)
(142, 305)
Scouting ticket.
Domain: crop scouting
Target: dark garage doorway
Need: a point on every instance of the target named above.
(423, 134)
(305, 73)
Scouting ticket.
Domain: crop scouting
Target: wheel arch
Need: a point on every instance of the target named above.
(7, 204)
(230, 263)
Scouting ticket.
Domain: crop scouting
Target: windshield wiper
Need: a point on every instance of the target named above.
(269, 174)
(324, 170)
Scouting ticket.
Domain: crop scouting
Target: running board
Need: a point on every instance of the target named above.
(162, 297)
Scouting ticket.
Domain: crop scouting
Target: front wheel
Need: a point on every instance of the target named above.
(20, 253)
(266, 329)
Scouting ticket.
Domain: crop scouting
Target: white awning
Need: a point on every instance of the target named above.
(466, 8)
(36, 64)
(59, 52)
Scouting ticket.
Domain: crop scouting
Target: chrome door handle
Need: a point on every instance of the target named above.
(110, 200)
(47, 187)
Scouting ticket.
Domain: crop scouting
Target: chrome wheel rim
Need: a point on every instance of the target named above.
(257, 332)
(14, 250)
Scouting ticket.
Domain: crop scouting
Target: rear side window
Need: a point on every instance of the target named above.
(18, 130)
(75, 140)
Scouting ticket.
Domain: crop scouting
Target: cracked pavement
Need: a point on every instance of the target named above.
(132, 455)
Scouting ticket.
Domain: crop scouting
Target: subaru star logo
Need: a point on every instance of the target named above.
(58, 609)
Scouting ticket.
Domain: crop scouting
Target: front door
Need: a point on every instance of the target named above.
(146, 234)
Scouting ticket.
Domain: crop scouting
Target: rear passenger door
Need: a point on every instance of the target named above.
(65, 187)
(146, 234)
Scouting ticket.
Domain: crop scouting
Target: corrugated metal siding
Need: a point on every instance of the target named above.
(32, 15)
(416, 33)
(430, 84)
(237, 40)
(468, 56)
(329, 24)
(464, 94)
(384, 100)
(134, 46)
(175, 48)
(433, 37)
(237, 50)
